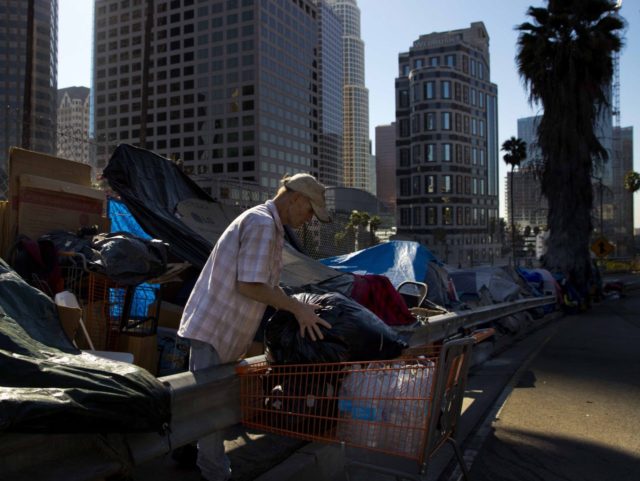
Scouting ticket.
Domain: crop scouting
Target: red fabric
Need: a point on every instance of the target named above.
(376, 293)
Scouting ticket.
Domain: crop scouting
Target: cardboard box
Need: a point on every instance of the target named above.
(70, 320)
(169, 314)
(143, 348)
(45, 205)
(94, 315)
(26, 162)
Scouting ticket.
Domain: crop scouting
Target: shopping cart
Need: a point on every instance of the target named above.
(109, 308)
(389, 416)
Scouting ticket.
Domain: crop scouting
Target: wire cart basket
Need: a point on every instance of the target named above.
(109, 308)
(390, 416)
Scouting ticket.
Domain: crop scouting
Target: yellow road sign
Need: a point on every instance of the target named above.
(602, 247)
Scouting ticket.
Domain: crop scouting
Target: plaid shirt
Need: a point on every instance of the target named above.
(249, 250)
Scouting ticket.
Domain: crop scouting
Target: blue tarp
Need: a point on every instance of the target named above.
(145, 294)
(398, 260)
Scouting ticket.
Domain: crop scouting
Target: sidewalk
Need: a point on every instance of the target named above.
(575, 412)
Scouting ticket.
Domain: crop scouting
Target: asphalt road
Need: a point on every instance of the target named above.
(575, 412)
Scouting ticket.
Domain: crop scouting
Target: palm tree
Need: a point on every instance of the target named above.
(516, 152)
(632, 181)
(565, 60)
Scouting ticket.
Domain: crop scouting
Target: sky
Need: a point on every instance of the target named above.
(389, 28)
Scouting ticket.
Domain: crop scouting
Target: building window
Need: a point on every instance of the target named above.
(404, 128)
(429, 90)
(430, 185)
(405, 216)
(417, 218)
(450, 60)
(403, 99)
(447, 215)
(446, 120)
(434, 61)
(405, 186)
(430, 152)
(446, 152)
(431, 215)
(415, 157)
(430, 121)
(445, 85)
(415, 124)
(446, 184)
(416, 185)
(404, 158)
(459, 218)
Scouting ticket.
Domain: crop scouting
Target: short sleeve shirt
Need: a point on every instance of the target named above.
(249, 250)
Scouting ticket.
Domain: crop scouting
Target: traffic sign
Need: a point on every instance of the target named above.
(602, 247)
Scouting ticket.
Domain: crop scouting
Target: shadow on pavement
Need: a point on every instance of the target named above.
(525, 456)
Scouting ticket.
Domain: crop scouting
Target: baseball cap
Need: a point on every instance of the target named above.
(307, 185)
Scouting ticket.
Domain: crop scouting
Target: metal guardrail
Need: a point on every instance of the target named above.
(201, 404)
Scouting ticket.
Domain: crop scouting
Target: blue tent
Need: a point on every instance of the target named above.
(398, 260)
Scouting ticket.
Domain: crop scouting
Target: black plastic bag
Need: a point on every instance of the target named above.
(131, 260)
(356, 334)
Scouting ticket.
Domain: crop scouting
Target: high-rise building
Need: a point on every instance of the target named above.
(386, 164)
(28, 54)
(612, 204)
(621, 231)
(447, 146)
(73, 124)
(229, 88)
(530, 207)
(356, 154)
(330, 73)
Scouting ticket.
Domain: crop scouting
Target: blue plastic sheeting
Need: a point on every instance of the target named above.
(398, 260)
(145, 294)
(122, 220)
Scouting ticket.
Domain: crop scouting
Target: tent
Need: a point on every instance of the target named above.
(400, 261)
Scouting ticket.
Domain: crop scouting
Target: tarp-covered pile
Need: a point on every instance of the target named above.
(47, 385)
(400, 261)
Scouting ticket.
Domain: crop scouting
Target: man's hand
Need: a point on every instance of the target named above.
(309, 321)
(275, 296)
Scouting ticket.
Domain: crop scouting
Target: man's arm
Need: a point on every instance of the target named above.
(275, 296)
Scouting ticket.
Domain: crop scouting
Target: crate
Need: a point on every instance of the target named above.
(404, 408)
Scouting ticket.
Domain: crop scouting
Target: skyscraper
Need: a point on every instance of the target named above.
(447, 146)
(73, 124)
(356, 154)
(28, 37)
(386, 164)
(330, 73)
(229, 88)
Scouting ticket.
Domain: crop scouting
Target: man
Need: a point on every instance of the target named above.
(239, 280)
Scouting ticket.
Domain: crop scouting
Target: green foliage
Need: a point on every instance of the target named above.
(632, 181)
(516, 151)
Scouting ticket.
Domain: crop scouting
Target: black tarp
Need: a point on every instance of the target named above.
(151, 187)
(49, 386)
